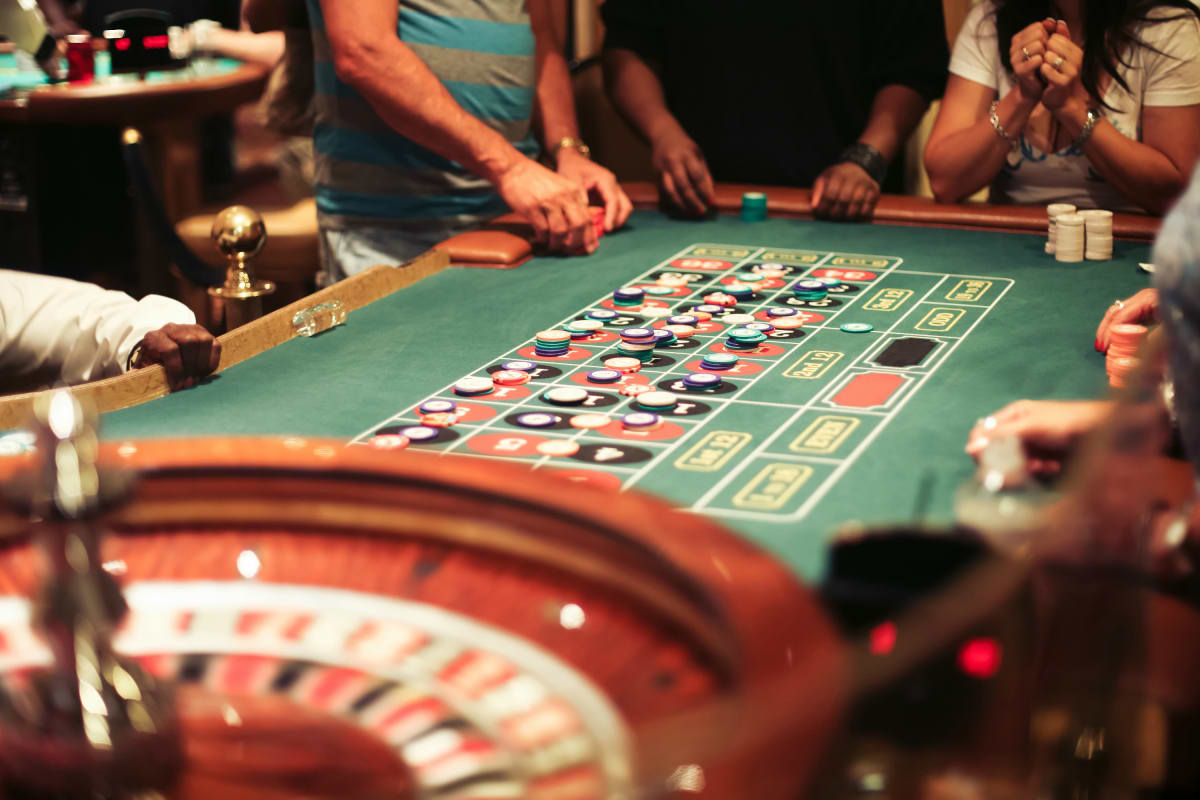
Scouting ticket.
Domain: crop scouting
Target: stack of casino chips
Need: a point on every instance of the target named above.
(742, 338)
(657, 402)
(1097, 225)
(1069, 238)
(741, 292)
(663, 336)
(810, 290)
(719, 361)
(1052, 212)
(549, 344)
(582, 328)
(629, 297)
(1121, 359)
(701, 381)
(637, 343)
(754, 206)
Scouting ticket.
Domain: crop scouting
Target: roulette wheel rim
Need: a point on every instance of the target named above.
(779, 666)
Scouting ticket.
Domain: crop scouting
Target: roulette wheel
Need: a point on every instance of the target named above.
(297, 618)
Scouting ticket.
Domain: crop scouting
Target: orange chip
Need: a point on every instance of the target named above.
(440, 419)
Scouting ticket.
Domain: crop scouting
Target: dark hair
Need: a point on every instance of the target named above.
(1109, 30)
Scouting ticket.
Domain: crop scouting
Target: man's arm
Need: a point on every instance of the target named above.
(556, 107)
(82, 332)
(368, 55)
(847, 190)
(636, 91)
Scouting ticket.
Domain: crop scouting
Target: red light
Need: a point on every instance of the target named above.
(882, 638)
(122, 44)
(980, 658)
(159, 42)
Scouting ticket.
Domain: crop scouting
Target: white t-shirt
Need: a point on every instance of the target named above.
(82, 330)
(1170, 77)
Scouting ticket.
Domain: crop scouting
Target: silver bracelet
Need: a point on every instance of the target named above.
(994, 118)
(1085, 133)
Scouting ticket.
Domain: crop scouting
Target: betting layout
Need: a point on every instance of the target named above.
(733, 380)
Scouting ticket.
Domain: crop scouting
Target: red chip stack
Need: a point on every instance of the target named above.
(1121, 359)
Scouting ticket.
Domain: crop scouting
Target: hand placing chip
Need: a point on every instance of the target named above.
(186, 352)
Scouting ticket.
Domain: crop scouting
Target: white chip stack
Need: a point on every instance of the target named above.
(1070, 238)
(1052, 212)
(1098, 228)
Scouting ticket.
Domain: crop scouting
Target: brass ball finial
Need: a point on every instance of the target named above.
(239, 233)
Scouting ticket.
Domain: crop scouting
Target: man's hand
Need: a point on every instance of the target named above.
(844, 191)
(600, 184)
(1048, 430)
(1139, 309)
(186, 352)
(682, 172)
(556, 206)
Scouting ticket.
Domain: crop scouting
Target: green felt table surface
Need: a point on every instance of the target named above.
(1030, 335)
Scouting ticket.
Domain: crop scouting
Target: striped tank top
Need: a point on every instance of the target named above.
(367, 174)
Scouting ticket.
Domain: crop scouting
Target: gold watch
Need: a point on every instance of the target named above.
(572, 142)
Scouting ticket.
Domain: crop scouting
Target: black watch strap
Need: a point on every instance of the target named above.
(868, 158)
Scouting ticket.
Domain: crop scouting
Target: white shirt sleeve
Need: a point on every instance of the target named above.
(1172, 74)
(975, 55)
(82, 330)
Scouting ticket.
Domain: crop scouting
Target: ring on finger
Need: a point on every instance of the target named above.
(1118, 304)
(1025, 52)
(1058, 62)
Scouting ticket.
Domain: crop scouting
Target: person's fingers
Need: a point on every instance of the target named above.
(158, 348)
(1102, 328)
(576, 219)
(541, 225)
(868, 209)
(1049, 25)
(818, 192)
(609, 191)
(624, 208)
(668, 185)
(858, 199)
(556, 224)
(832, 194)
(683, 183)
(1061, 29)
(702, 180)
(1052, 75)
(214, 355)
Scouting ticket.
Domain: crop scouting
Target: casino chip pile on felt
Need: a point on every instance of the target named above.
(1120, 360)
(1074, 235)
(735, 385)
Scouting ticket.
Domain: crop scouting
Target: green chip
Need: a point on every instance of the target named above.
(748, 277)
(659, 290)
(858, 327)
(721, 358)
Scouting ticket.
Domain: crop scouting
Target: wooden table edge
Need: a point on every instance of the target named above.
(139, 386)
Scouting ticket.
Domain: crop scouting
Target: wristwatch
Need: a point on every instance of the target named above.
(868, 158)
(572, 142)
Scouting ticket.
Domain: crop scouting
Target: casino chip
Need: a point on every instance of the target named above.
(602, 314)
(523, 366)
(634, 389)
(536, 419)
(439, 420)
(655, 312)
(681, 331)
(641, 420)
(858, 327)
(565, 395)
(390, 441)
(473, 386)
(657, 400)
(437, 406)
(661, 291)
(788, 323)
(590, 422)
(780, 311)
(701, 381)
(623, 364)
(682, 319)
(558, 447)
(738, 319)
(511, 377)
(604, 376)
(419, 434)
